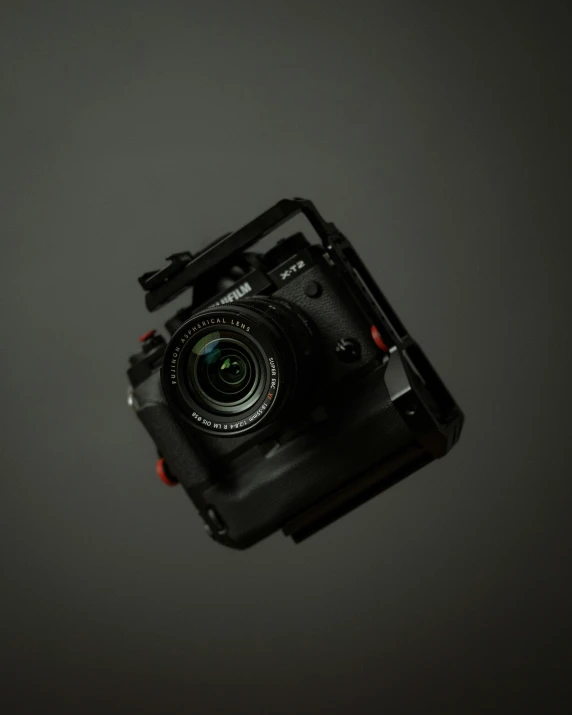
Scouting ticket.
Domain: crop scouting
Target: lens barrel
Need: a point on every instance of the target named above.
(229, 368)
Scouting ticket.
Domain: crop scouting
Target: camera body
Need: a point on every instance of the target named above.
(289, 392)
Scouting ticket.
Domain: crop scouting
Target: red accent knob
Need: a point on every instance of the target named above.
(147, 335)
(378, 340)
(161, 470)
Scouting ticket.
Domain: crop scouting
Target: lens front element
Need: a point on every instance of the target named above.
(224, 372)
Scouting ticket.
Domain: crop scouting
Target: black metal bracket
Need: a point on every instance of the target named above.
(184, 270)
(177, 262)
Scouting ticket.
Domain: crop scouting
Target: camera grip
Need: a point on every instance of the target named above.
(184, 462)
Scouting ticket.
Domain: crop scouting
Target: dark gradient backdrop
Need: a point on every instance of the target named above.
(438, 137)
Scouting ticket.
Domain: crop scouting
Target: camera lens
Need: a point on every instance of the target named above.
(223, 372)
(228, 368)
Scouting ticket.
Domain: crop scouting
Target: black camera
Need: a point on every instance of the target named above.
(289, 392)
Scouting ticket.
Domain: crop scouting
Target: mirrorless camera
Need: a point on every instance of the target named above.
(289, 392)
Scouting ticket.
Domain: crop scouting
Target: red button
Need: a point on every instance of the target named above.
(161, 470)
(378, 340)
(147, 335)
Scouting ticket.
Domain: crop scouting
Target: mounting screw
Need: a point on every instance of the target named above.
(348, 350)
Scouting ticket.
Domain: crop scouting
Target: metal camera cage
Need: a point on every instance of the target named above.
(417, 391)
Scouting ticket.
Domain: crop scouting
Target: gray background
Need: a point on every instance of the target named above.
(437, 137)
